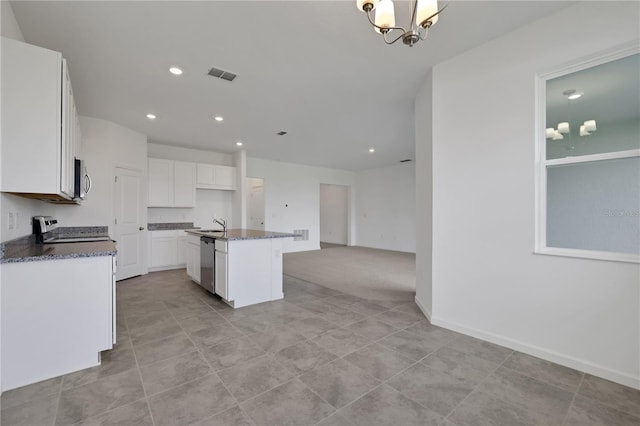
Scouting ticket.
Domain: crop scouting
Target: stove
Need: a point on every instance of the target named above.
(44, 228)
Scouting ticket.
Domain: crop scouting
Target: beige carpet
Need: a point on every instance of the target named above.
(359, 271)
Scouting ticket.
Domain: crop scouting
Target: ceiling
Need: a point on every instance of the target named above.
(315, 69)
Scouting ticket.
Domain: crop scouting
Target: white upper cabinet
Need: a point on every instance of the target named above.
(39, 123)
(184, 184)
(160, 183)
(171, 183)
(212, 176)
(70, 134)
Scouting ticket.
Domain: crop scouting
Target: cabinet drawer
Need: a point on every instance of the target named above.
(221, 246)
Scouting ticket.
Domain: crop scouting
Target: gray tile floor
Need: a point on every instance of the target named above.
(318, 357)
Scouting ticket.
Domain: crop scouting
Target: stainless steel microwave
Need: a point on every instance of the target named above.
(82, 180)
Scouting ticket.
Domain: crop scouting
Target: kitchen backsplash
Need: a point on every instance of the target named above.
(81, 231)
(209, 204)
(166, 226)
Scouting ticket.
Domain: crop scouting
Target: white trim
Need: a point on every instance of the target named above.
(425, 311)
(589, 254)
(540, 172)
(594, 157)
(541, 162)
(608, 55)
(543, 353)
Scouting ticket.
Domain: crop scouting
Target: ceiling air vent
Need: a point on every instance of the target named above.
(225, 75)
(281, 133)
(405, 161)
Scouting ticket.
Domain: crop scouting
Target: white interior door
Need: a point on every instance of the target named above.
(334, 214)
(255, 206)
(129, 226)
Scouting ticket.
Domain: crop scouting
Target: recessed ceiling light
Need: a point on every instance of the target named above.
(239, 143)
(218, 118)
(372, 150)
(175, 70)
(151, 116)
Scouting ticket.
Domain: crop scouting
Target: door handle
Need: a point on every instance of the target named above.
(141, 228)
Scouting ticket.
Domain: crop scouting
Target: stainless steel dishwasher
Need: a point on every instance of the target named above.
(207, 263)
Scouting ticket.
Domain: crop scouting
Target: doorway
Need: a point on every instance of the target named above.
(334, 215)
(129, 227)
(255, 203)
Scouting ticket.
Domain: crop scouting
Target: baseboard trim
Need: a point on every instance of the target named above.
(558, 358)
(423, 308)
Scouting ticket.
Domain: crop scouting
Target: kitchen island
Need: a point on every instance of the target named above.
(246, 265)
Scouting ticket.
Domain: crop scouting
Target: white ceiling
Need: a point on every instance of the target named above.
(315, 69)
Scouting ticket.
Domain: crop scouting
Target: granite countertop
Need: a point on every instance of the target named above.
(170, 226)
(239, 234)
(34, 252)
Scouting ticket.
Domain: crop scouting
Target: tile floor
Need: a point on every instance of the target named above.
(318, 357)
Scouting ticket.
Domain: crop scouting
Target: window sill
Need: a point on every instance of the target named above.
(589, 254)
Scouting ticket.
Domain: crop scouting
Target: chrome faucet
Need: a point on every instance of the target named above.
(221, 222)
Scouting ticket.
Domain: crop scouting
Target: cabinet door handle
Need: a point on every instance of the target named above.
(87, 185)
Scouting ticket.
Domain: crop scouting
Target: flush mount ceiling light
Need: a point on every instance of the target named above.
(423, 15)
(573, 95)
(151, 116)
(175, 71)
(218, 118)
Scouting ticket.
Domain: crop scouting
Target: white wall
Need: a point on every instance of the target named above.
(8, 24)
(105, 146)
(292, 198)
(486, 281)
(168, 152)
(334, 214)
(209, 204)
(239, 200)
(386, 204)
(424, 194)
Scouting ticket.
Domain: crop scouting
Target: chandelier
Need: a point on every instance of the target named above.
(424, 14)
(564, 127)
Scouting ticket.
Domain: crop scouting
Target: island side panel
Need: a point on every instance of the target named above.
(249, 275)
(276, 269)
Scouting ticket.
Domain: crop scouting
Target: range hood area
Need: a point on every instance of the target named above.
(47, 198)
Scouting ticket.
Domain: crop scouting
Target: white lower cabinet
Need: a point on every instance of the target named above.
(193, 257)
(57, 316)
(221, 279)
(167, 250)
(182, 248)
